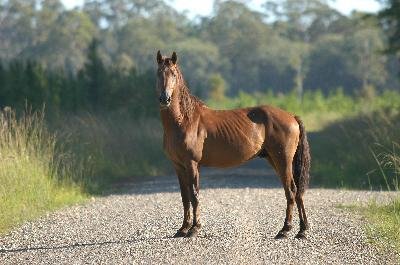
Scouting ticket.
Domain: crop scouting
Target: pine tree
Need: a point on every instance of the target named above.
(94, 77)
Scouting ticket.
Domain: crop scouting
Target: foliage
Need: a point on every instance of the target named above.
(217, 88)
(36, 173)
(357, 147)
(94, 88)
(114, 148)
(390, 21)
(306, 45)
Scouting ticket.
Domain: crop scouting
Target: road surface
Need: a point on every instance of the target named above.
(242, 210)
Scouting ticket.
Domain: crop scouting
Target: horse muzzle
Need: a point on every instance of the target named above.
(165, 99)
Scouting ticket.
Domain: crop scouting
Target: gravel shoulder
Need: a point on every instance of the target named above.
(242, 210)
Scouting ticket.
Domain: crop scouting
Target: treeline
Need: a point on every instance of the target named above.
(290, 44)
(94, 88)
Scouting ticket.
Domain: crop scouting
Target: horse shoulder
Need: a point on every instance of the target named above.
(194, 139)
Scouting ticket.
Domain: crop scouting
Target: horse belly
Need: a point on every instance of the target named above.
(223, 153)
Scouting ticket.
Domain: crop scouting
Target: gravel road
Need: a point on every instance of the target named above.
(242, 210)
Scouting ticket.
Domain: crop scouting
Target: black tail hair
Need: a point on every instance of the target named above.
(302, 160)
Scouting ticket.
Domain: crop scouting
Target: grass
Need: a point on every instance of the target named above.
(363, 154)
(384, 223)
(358, 152)
(41, 171)
(115, 148)
(385, 219)
(35, 174)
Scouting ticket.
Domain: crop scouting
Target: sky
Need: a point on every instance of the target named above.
(204, 7)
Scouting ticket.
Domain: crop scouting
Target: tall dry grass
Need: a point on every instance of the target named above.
(115, 148)
(35, 172)
(355, 152)
(363, 152)
(385, 219)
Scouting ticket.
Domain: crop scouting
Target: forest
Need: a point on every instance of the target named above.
(100, 56)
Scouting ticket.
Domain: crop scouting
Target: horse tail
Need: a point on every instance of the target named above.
(302, 160)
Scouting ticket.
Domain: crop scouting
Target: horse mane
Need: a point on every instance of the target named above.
(187, 101)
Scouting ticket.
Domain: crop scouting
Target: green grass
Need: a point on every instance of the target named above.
(41, 171)
(115, 148)
(384, 223)
(35, 174)
(361, 152)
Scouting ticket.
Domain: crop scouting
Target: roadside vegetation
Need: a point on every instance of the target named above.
(36, 173)
(100, 125)
(384, 223)
(114, 148)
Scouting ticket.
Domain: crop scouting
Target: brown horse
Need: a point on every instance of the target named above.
(195, 135)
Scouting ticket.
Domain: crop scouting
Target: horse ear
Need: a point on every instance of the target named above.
(174, 58)
(159, 57)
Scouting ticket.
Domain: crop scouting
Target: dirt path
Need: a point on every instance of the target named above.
(242, 210)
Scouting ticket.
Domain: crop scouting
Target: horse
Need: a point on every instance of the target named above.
(196, 136)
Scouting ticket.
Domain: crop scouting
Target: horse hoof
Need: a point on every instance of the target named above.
(280, 235)
(193, 232)
(180, 234)
(300, 235)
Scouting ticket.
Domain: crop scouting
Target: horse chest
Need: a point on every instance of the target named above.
(184, 146)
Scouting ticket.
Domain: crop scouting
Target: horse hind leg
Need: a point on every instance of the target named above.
(283, 170)
(290, 191)
(302, 216)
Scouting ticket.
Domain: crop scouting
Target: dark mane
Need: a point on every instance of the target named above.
(187, 101)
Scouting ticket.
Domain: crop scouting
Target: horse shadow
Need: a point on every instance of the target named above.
(256, 173)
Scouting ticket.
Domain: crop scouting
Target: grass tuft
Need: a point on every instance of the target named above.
(35, 177)
(115, 148)
(384, 223)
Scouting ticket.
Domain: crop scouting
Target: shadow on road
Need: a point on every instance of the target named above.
(80, 245)
(253, 174)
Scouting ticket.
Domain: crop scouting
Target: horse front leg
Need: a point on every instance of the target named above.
(194, 188)
(185, 194)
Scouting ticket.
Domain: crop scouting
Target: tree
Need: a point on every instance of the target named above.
(240, 35)
(329, 65)
(304, 19)
(217, 87)
(390, 22)
(16, 27)
(368, 62)
(301, 21)
(200, 59)
(94, 77)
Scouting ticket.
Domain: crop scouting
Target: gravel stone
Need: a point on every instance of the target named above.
(242, 210)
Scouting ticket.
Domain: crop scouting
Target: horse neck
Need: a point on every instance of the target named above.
(172, 115)
(182, 109)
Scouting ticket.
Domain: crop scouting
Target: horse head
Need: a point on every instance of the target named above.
(167, 78)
